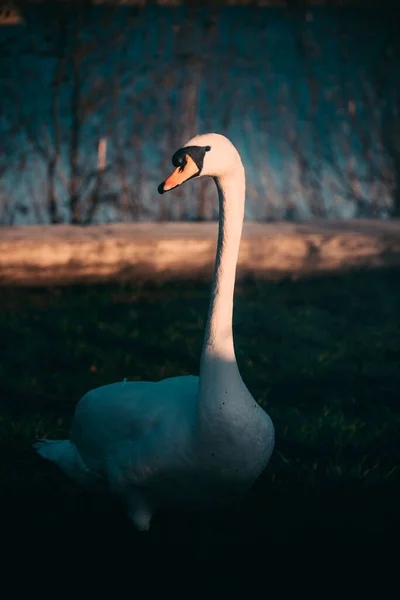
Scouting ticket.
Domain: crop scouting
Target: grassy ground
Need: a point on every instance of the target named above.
(321, 355)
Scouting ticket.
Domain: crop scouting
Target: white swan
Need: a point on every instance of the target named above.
(192, 440)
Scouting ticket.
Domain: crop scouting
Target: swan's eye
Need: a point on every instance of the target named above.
(183, 165)
(207, 148)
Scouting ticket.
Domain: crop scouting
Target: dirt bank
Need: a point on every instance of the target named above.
(37, 255)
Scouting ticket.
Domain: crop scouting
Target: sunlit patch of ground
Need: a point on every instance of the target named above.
(322, 355)
(52, 255)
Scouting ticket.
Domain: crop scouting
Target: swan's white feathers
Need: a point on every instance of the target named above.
(131, 433)
(68, 459)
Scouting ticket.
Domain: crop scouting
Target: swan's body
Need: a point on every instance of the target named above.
(191, 440)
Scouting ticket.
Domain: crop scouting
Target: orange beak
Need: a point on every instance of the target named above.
(180, 175)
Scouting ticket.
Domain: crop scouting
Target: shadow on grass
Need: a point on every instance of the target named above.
(321, 355)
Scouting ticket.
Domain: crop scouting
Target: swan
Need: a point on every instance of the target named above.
(183, 441)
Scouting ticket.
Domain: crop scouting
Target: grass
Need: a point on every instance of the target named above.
(321, 355)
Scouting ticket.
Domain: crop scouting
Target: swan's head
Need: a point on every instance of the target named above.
(210, 154)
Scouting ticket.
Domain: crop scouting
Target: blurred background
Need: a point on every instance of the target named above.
(96, 96)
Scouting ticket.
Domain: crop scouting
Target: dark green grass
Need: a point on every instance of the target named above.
(321, 355)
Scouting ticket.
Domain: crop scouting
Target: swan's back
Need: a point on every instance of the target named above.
(134, 429)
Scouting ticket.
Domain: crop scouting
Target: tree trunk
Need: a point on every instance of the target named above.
(51, 192)
(396, 192)
(76, 124)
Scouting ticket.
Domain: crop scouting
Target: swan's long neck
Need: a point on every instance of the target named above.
(232, 431)
(218, 335)
(218, 362)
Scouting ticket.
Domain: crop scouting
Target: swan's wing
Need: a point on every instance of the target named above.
(128, 428)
